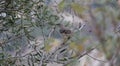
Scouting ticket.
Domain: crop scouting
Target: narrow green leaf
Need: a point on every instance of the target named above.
(61, 5)
(77, 8)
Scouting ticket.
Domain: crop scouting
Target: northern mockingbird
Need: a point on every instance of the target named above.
(64, 30)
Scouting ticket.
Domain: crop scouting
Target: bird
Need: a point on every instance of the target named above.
(66, 32)
(63, 29)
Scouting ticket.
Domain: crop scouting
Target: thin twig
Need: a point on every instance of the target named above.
(96, 58)
(41, 61)
(78, 57)
(52, 30)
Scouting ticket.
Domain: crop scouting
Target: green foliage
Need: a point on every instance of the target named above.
(21, 20)
(61, 5)
(27, 20)
(77, 8)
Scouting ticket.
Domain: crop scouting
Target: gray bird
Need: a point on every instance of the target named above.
(63, 29)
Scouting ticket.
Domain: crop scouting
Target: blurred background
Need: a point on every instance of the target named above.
(59, 32)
